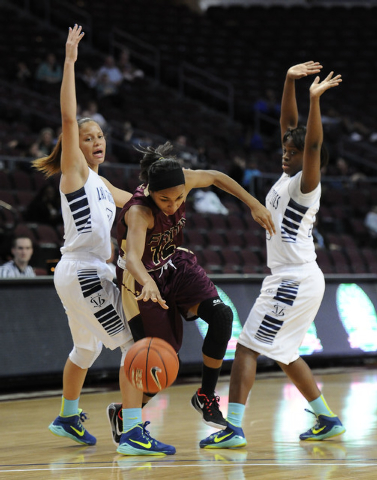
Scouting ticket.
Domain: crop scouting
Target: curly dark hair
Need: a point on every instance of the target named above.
(156, 160)
(298, 135)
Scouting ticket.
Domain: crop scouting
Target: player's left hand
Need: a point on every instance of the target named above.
(318, 87)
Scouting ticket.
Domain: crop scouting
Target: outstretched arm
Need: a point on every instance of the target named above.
(206, 178)
(73, 164)
(138, 220)
(311, 168)
(289, 111)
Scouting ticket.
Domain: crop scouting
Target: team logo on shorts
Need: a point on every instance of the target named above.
(279, 310)
(98, 301)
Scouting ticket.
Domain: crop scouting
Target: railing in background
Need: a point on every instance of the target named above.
(144, 52)
(49, 10)
(207, 83)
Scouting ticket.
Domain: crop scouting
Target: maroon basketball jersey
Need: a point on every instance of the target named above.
(163, 239)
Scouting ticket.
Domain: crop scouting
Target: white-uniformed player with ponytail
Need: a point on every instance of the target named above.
(291, 296)
(82, 277)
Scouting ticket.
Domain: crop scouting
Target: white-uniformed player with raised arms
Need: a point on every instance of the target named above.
(291, 296)
(82, 278)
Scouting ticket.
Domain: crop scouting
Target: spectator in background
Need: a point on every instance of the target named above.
(49, 71)
(89, 77)
(44, 144)
(251, 172)
(93, 113)
(129, 72)
(129, 133)
(207, 201)
(186, 156)
(268, 110)
(22, 250)
(105, 88)
(110, 74)
(237, 169)
(133, 137)
(45, 207)
(268, 104)
(202, 156)
(23, 74)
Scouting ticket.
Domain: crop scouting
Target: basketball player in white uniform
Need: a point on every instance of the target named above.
(82, 278)
(291, 296)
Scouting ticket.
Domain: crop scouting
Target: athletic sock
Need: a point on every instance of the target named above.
(209, 380)
(69, 407)
(131, 417)
(235, 414)
(320, 407)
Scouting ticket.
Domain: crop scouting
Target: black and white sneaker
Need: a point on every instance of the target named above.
(209, 408)
(114, 414)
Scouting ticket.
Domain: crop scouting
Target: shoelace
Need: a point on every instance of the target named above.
(83, 416)
(213, 401)
(147, 434)
(318, 423)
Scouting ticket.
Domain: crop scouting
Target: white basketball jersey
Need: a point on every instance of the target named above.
(88, 216)
(294, 214)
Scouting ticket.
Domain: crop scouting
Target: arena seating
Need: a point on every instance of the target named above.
(249, 47)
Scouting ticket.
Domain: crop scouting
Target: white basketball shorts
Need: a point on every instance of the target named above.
(288, 303)
(92, 302)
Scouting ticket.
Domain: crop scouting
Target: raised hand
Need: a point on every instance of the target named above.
(74, 36)
(317, 87)
(303, 70)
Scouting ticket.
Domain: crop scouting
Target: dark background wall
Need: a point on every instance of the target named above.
(35, 337)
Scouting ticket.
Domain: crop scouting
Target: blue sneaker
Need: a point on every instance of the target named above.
(326, 427)
(71, 427)
(138, 441)
(231, 437)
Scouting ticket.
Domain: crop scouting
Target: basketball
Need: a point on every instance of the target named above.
(151, 365)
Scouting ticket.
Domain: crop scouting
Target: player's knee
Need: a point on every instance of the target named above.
(124, 349)
(84, 358)
(219, 318)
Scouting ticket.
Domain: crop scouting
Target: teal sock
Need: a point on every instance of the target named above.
(69, 407)
(320, 407)
(235, 414)
(131, 417)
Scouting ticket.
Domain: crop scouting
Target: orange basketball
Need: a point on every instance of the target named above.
(151, 364)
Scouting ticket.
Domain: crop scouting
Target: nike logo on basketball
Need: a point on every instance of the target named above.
(81, 433)
(145, 445)
(219, 439)
(154, 372)
(318, 431)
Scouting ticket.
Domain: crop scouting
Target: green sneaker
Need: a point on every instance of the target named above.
(231, 437)
(138, 441)
(325, 427)
(71, 427)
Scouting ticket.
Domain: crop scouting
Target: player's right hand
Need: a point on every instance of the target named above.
(151, 292)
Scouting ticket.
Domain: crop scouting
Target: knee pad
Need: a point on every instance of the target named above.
(84, 358)
(219, 318)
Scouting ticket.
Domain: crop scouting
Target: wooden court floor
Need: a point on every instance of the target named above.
(274, 418)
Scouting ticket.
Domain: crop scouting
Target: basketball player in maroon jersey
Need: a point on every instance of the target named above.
(162, 282)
